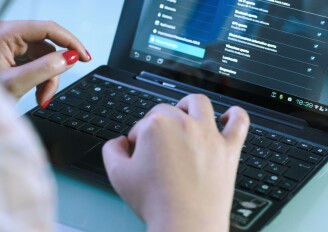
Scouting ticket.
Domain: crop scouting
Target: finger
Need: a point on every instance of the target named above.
(33, 31)
(46, 91)
(198, 107)
(21, 79)
(236, 121)
(154, 117)
(116, 156)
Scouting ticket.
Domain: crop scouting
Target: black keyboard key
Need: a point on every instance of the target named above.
(256, 162)
(74, 123)
(248, 183)
(239, 179)
(43, 113)
(273, 179)
(70, 111)
(107, 134)
(258, 131)
(243, 158)
(139, 113)
(59, 118)
(159, 100)
(255, 174)
(241, 168)
(97, 89)
(279, 147)
(124, 108)
(113, 94)
(89, 129)
(132, 121)
(172, 103)
(247, 147)
(144, 104)
(78, 93)
(100, 121)
(109, 103)
(288, 141)
(84, 116)
(116, 126)
(129, 99)
(133, 92)
(107, 84)
(55, 106)
(88, 106)
(103, 111)
(146, 96)
(278, 194)
(319, 151)
(69, 100)
(288, 184)
(119, 117)
(94, 79)
(305, 146)
(279, 158)
(261, 142)
(273, 136)
(93, 98)
(84, 84)
(261, 153)
(304, 155)
(263, 189)
(276, 169)
(298, 170)
(119, 88)
(250, 137)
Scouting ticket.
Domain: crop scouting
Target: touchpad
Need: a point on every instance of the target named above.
(93, 158)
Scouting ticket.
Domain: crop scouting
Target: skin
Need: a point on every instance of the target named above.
(28, 57)
(175, 169)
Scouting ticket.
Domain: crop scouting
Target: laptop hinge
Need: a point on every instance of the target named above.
(222, 100)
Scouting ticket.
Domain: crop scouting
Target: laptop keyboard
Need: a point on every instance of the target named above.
(271, 164)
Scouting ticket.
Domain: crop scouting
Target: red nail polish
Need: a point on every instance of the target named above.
(46, 104)
(89, 56)
(71, 57)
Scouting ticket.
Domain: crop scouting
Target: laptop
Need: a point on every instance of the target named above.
(269, 57)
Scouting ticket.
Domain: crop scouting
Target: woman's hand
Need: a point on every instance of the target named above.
(28, 59)
(175, 169)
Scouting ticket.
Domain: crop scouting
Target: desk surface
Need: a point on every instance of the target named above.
(84, 206)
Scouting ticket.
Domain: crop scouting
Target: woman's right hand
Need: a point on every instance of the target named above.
(176, 169)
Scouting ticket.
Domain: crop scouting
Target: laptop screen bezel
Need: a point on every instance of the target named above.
(120, 58)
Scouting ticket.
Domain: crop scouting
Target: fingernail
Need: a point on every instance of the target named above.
(89, 56)
(71, 57)
(46, 104)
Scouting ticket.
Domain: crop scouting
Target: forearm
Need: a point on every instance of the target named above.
(26, 185)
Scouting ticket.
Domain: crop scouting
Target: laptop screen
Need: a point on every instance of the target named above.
(278, 46)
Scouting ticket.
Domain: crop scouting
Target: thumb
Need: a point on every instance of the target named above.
(23, 78)
(116, 158)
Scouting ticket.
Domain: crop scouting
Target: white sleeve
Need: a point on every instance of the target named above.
(26, 184)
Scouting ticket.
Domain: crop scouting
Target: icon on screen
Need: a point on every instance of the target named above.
(136, 54)
(148, 58)
(160, 61)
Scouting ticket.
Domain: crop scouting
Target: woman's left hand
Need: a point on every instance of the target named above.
(28, 59)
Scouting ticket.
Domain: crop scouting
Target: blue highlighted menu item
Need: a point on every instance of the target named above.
(177, 46)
